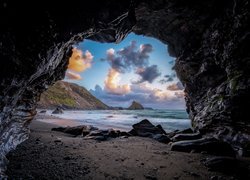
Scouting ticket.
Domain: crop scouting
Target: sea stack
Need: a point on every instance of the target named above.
(135, 106)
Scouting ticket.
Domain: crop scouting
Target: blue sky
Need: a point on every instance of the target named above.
(111, 77)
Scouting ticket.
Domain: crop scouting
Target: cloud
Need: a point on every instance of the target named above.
(180, 94)
(73, 76)
(129, 57)
(164, 81)
(136, 59)
(175, 87)
(172, 87)
(143, 93)
(148, 74)
(78, 62)
(168, 78)
(112, 83)
(133, 58)
(115, 62)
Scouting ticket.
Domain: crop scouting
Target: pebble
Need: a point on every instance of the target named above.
(66, 158)
(150, 177)
(58, 140)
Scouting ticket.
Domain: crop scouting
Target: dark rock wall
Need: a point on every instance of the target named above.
(210, 39)
(35, 45)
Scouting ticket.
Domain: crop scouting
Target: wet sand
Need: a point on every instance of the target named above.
(54, 155)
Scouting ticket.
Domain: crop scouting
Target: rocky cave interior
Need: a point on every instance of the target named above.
(208, 38)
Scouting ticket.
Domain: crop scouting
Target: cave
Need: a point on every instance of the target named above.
(208, 38)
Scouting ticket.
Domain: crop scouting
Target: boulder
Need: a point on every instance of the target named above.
(183, 137)
(246, 149)
(124, 133)
(161, 128)
(146, 129)
(113, 133)
(162, 138)
(133, 132)
(58, 110)
(184, 131)
(76, 131)
(96, 133)
(209, 145)
(229, 165)
(100, 138)
(90, 132)
(42, 111)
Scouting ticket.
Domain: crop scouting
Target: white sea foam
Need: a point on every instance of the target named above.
(124, 119)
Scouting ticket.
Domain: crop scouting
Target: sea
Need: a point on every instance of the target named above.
(123, 120)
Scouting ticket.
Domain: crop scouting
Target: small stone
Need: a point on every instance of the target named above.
(42, 111)
(194, 174)
(150, 177)
(124, 137)
(58, 110)
(193, 151)
(66, 158)
(100, 138)
(214, 177)
(57, 141)
(176, 177)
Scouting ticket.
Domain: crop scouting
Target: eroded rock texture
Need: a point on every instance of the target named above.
(210, 39)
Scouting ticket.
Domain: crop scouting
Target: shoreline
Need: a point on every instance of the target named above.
(53, 120)
(54, 155)
(170, 121)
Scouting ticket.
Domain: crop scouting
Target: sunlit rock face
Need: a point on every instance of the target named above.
(209, 38)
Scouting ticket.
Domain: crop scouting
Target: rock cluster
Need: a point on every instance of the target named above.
(90, 132)
(183, 141)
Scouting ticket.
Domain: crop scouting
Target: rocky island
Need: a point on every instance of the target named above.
(135, 106)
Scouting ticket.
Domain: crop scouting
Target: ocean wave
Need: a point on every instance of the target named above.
(124, 119)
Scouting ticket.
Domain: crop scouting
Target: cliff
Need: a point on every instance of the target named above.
(70, 96)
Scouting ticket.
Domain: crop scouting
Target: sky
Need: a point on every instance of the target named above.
(138, 68)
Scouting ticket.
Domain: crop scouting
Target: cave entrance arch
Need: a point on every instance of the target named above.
(137, 69)
(209, 39)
